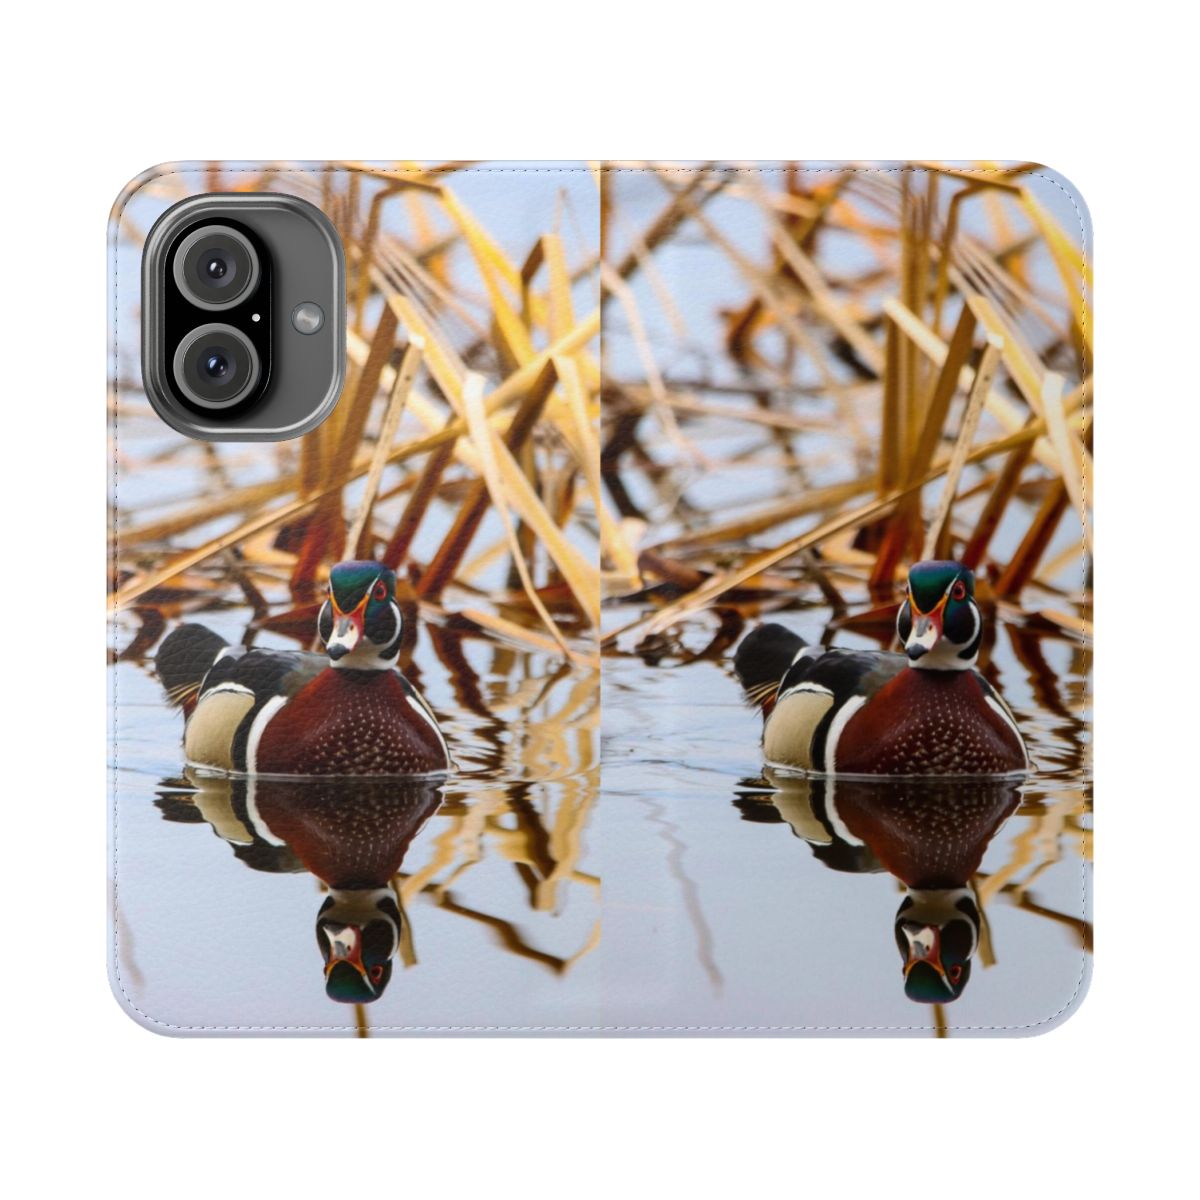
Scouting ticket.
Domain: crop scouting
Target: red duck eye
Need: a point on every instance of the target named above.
(380, 590)
(959, 590)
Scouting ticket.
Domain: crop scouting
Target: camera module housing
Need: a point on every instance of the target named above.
(222, 275)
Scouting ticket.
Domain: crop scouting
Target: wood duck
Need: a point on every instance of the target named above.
(348, 711)
(854, 712)
(351, 834)
(931, 835)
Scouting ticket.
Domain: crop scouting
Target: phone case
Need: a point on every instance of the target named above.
(724, 526)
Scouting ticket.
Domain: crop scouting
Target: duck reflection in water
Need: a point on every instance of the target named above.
(352, 834)
(930, 834)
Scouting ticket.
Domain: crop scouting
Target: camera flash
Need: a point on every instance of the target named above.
(307, 317)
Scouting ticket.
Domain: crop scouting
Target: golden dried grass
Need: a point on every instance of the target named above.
(464, 363)
(941, 316)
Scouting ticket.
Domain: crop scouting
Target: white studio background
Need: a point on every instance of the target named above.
(94, 94)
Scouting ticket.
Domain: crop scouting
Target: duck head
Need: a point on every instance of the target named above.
(358, 932)
(937, 934)
(360, 622)
(939, 623)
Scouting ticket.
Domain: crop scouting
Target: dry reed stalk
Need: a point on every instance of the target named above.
(904, 528)
(664, 225)
(613, 543)
(760, 561)
(396, 551)
(996, 504)
(494, 470)
(1072, 455)
(936, 543)
(1024, 562)
(615, 285)
(358, 538)
(516, 633)
(998, 404)
(510, 391)
(471, 512)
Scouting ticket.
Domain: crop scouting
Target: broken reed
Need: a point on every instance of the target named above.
(423, 345)
(960, 376)
(912, 333)
(482, 404)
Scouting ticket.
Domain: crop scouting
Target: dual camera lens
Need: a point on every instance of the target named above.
(216, 267)
(243, 316)
(216, 365)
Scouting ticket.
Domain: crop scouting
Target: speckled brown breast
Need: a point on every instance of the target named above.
(929, 723)
(350, 723)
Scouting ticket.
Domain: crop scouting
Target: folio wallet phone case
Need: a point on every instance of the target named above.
(680, 623)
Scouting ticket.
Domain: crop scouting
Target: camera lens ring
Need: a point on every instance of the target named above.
(215, 267)
(216, 367)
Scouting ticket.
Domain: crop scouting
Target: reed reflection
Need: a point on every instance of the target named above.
(930, 834)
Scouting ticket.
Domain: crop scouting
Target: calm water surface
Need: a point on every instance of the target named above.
(690, 891)
(767, 902)
(221, 884)
(684, 890)
(771, 900)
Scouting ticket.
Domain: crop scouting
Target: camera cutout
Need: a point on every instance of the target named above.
(223, 356)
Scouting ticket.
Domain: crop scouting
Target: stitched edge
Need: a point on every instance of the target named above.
(116, 216)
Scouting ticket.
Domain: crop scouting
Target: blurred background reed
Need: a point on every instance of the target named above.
(818, 375)
(809, 376)
(463, 452)
(464, 449)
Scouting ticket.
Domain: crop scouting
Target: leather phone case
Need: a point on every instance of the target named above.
(604, 421)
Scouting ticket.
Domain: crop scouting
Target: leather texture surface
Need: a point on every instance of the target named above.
(602, 422)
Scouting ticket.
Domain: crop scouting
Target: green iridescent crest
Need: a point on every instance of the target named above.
(929, 581)
(349, 581)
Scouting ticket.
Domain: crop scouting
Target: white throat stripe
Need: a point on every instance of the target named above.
(837, 728)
